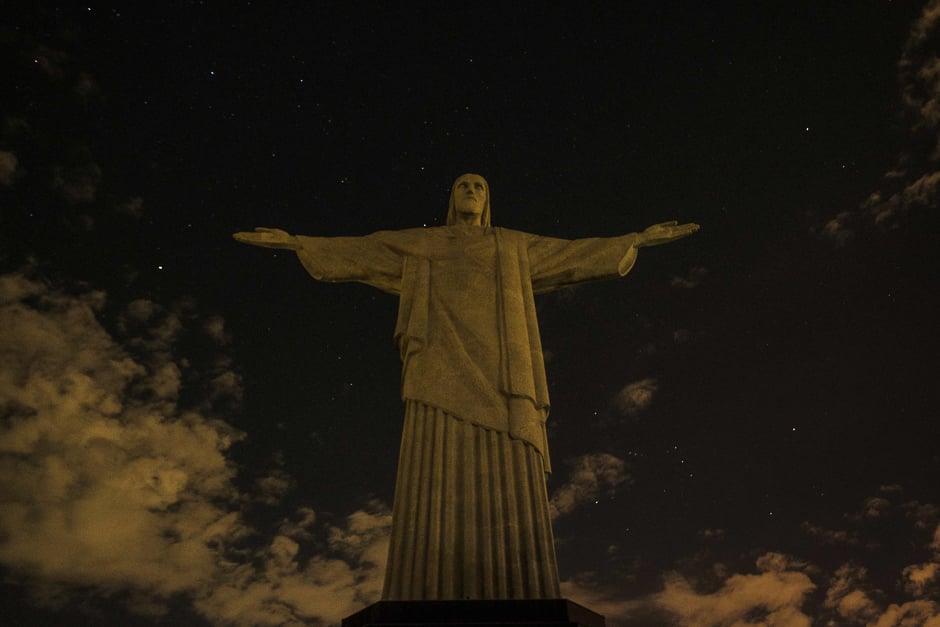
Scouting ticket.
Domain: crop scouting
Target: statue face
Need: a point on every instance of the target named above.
(470, 196)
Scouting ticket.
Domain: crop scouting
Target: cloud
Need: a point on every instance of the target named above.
(273, 486)
(51, 61)
(829, 536)
(839, 229)
(922, 193)
(848, 595)
(788, 590)
(103, 488)
(592, 475)
(918, 173)
(917, 577)
(86, 86)
(636, 396)
(775, 596)
(695, 277)
(300, 525)
(876, 507)
(133, 207)
(8, 166)
(111, 488)
(285, 591)
(913, 184)
(913, 613)
(582, 589)
(78, 183)
(215, 327)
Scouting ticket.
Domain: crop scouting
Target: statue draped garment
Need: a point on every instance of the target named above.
(470, 519)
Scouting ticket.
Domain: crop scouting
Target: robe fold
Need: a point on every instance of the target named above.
(470, 517)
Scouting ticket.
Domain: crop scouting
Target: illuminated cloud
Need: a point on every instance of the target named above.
(712, 533)
(365, 535)
(583, 589)
(913, 613)
(839, 229)
(285, 591)
(635, 397)
(915, 183)
(829, 536)
(103, 487)
(215, 327)
(921, 193)
(924, 515)
(300, 525)
(8, 165)
(591, 476)
(109, 487)
(273, 486)
(918, 577)
(774, 596)
(848, 595)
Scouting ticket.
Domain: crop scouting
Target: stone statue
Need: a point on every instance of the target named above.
(470, 518)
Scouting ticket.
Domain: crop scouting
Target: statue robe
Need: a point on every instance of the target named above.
(470, 518)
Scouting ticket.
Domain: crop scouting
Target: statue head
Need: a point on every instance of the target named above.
(469, 197)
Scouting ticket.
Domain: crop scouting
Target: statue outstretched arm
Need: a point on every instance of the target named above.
(665, 232)
(374, 259)
(556, 263)
(268, 238)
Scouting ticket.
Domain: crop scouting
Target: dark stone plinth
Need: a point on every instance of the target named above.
(533, 613)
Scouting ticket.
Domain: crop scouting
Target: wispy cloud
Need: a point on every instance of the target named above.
(591, 476)
(635, 397)
(694, 278)
(773, 596)
(840, 229)
(8, 165)
(78, 183)
(914, 183)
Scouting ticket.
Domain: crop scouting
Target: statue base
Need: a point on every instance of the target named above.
(505, 613)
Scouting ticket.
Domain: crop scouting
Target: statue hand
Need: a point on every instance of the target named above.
(268, 238)
(664, 233)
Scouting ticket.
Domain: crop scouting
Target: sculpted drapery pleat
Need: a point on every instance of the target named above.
(470, 517)
(474, 521)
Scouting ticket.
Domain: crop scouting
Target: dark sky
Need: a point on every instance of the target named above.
(744, 429)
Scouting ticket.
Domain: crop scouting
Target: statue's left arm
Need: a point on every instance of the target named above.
(555, 263)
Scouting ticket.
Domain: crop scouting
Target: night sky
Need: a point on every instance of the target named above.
(744, 429)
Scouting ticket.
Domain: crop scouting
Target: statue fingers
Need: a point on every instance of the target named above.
(244, 236)
(685, 230)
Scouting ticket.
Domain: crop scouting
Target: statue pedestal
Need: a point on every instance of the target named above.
(505, 613)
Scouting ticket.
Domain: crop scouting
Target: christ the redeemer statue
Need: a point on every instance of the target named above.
(470, 518)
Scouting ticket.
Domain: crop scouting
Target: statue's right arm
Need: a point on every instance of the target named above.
(376, 259)
(268, 238)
